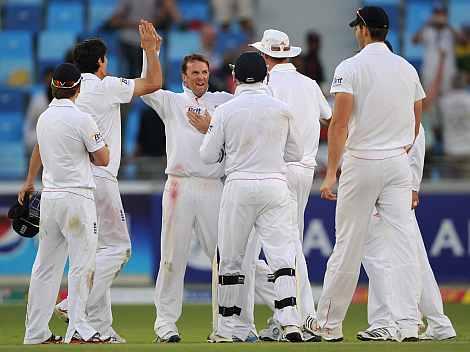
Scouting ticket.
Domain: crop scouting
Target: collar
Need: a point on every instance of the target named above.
(190, 93)
(61, 102)
(376, 47)
(254, 87)
(88, 75)
(283, 67)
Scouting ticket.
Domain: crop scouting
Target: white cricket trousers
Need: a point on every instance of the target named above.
(189, 203)
(113, 252)
(67, 228)
(380, 309)
(364, 183)
(299, 182)
(264, 205)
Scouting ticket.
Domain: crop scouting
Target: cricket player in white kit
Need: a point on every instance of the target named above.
(381, 301)
(377, 114)
(101, 96)
(308, 105)
(192, 192)
(67, 140)
(256, 133)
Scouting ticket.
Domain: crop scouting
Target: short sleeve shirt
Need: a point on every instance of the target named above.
(102, 99)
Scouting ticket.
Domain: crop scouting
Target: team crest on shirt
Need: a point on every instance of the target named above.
(125, 81)
(98, 137)
(337, 81)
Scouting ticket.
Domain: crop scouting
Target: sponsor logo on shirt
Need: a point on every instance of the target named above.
(98, 137)
(125, 81)
(337, 81)
(195, 109)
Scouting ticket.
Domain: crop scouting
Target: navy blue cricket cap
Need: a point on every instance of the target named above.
(66, 75)
(371, 17)
(250, 67)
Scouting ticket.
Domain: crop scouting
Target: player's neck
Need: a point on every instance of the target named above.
(100, 74)
(271, 64)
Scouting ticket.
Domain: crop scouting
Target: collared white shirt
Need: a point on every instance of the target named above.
(182, 139)
(65, 137)
(385, 87)
(256, 132)
(456, 111)
(306, 103)
(102, 99)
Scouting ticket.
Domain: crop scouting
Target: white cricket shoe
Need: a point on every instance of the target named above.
(407, 335)
(432, 335)
(117, 339)
(214, 338)
(328, 335)
(377, 334)
(251, 338)
(273, 332)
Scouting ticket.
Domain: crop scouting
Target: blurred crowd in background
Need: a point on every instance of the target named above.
(36, 35)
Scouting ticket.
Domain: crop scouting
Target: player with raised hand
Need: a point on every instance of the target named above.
(101, 96)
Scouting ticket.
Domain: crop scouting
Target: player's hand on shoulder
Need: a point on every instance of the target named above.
(200, 122)
(27, 187)
(326, 189)
(148, 35)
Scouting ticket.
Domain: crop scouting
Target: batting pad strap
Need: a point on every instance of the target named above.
(231, 279)
(229, 311)
(286, 302)
(281, 272)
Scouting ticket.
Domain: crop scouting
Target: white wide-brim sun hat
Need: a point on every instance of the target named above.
(276, 44)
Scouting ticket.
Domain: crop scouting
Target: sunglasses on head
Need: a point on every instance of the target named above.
(358, 13)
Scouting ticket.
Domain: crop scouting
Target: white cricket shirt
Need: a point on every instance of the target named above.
(385, 87)
(456, 122)
(65, 137)
(102, 99)
(256, 132)
(306, 103)
(182, 139)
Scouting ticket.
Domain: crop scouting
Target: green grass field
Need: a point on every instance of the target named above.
(135, 323)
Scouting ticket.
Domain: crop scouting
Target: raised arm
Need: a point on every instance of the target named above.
(150, 42)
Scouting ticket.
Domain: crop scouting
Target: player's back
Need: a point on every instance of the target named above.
(60, 130)
(306, 102)
(255, 127)
(101, 98)
(385, 88)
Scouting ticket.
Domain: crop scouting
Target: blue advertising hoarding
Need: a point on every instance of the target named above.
(444, 220)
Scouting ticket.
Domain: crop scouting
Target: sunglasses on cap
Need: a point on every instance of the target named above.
(65, 84)
(358, 13)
